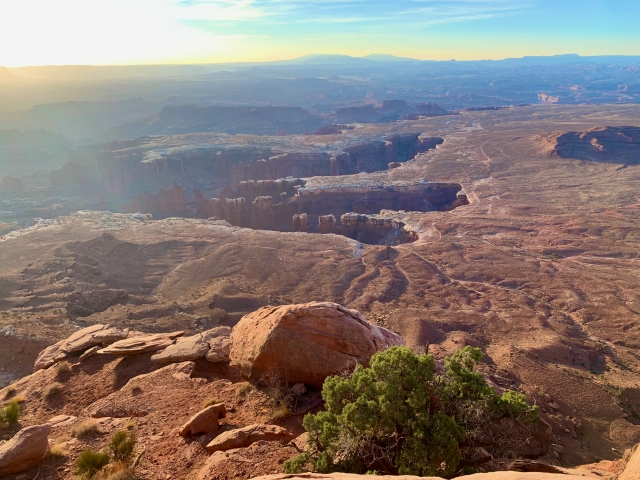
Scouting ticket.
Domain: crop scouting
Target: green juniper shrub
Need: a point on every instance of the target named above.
(122, 445)
(9, 414)
(399, 416)
(90, 462)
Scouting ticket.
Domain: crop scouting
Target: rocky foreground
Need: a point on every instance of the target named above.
(194, 415)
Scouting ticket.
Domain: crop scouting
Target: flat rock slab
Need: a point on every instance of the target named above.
(205, 421)
(48, 356)
(91, 336)
(243, 437)
(25, 450)
(185, 349)
(141, 344)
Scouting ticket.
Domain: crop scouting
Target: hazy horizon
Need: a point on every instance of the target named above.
(177, 32)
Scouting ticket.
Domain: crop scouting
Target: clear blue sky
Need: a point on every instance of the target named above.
(36, 32)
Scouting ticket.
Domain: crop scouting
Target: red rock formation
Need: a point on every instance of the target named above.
(263, 215)
(305, 343)
(281, 166)
(375, 229)
(164, 203)
(299, 223)
(326, 224)
(317, 209)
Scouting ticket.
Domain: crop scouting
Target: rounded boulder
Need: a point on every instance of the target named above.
(305, 343)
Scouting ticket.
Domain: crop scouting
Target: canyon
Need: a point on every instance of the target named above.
(261, 193)
(490, 240)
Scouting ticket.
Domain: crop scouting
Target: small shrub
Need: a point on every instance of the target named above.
(19, 399)
(279, 413)
(116, 471)
(244, 389)
(57, 451)
(11, 412)
(85, 429)
(130, 424)
(210, 401)
(63, 368)
(90, 462)
(122, 445)
(51, 390)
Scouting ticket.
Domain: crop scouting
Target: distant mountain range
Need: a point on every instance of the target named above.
(91, 72)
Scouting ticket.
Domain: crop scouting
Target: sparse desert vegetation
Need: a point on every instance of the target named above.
(88, 428)
(517, 235)
(51, 390)
(9, 413)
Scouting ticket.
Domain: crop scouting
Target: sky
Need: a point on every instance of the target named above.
(102, 32)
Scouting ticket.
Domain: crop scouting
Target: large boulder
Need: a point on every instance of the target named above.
(205, 421)
(243, 437)
(632, 464)
(305, 343)
(24, 450)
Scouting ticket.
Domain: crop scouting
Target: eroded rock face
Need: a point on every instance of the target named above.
(632, 466)
(600, 144)
(305, 343)
(219, 349)
(243, 437)
(83, 339)
(324, 206)
(91, 336)
(48, 356)
(186, 348)
(24, 450)
(141, 344)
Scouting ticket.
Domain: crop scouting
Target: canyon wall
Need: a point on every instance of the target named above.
(114, 170)
(367, 157)
(165, 203)
(350, 210)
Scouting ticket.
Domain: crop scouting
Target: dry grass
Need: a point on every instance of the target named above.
(116, 471)
(51, 390)
(86, 429)
(130, 424)
(57, 451)
(279, 413)
(209, 401)
(62, 369)
(245, 389)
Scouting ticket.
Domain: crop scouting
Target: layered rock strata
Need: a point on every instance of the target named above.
(326, 209)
